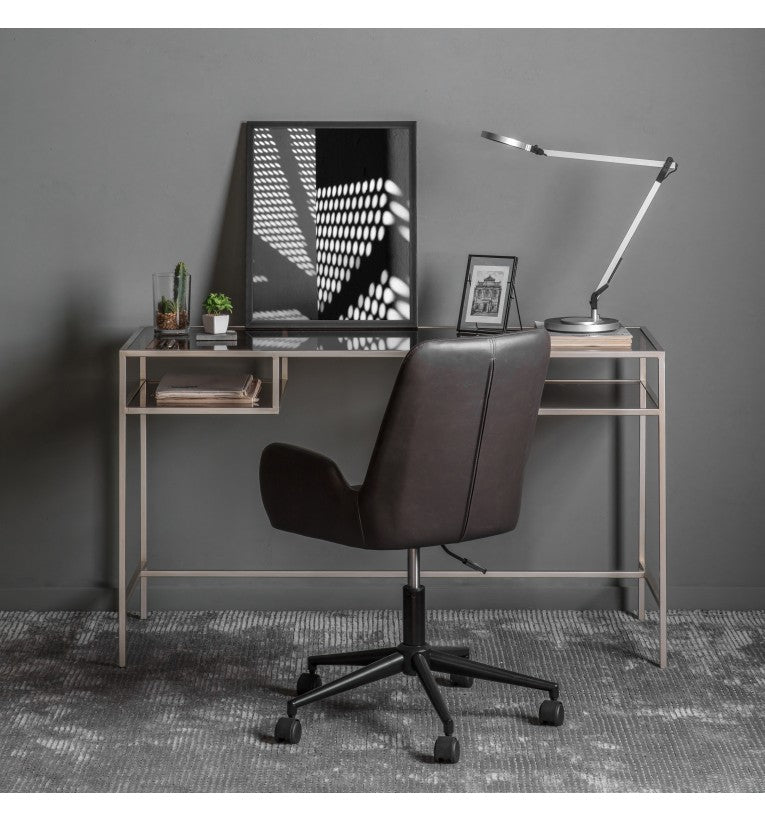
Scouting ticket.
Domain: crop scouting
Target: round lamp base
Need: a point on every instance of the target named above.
(582, 324)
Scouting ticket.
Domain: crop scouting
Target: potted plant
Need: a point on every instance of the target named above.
(172, 315)
(217, 308)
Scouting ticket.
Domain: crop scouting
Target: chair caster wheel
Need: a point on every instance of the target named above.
(446, 750)
(288, 730)
(458, 680)
(307, 682)
(551, 713)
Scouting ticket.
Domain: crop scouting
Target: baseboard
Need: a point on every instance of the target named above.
(341, 594)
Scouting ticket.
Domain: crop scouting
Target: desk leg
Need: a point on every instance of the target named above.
(276, 382)
(121, 482)
(144, 580)
(142, 497)
(283, 375)
(641, 513)
(662, 518)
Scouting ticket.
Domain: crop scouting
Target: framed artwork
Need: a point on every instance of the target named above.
(331, 225)
(487, 293)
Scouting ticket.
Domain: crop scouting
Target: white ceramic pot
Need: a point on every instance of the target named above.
(215, 323)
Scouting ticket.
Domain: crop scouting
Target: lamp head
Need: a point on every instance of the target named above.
(498, 138)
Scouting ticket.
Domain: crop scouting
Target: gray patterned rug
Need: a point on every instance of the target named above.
(196, 707)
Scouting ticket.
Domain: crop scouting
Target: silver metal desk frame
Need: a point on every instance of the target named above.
(138, 402)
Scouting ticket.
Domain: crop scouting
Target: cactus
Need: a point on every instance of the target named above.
(180, 285)
(166, 306)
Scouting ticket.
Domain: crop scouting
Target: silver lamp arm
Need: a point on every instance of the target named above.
(572, 155)
(667, 168)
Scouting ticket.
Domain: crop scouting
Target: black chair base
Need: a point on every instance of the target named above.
(413, 657)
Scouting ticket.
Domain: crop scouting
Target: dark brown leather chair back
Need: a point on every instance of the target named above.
(449, 459)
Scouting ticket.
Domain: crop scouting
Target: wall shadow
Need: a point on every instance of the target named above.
(57, 425)
(229, 260)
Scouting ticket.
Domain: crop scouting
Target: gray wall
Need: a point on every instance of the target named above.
(122, 151)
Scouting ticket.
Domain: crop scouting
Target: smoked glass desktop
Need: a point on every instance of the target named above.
(639, 396)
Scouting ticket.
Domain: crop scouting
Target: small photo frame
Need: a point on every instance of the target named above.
(487, 293)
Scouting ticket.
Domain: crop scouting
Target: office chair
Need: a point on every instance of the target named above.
(447, 467)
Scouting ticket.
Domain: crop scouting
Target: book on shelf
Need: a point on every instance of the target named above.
(189, 390)
(620, 339)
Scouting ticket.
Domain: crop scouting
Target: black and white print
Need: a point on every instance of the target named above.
(331, 224)
(487, 293)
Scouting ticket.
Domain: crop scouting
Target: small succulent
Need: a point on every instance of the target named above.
(217, 304)
(166, 306)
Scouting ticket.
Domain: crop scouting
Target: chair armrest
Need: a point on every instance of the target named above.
(304, 492)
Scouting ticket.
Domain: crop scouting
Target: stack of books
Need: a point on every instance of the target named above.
(191, 390)
(620, 339)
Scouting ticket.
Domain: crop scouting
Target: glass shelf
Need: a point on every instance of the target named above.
(559, 398)
(597, 397)
(142, 400)
(372, 342)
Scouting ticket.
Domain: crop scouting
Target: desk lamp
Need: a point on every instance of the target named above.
(595, 323)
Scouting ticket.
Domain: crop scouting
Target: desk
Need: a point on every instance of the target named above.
(562, 397)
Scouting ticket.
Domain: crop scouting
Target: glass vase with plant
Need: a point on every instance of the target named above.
(171, 315)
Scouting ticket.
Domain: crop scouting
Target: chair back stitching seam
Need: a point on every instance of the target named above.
(479, 441)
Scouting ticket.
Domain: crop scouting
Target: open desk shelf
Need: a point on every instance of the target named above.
(597, 397)
(143, 401)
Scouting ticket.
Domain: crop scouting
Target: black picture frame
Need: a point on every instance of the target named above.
(493, 303)
(251, 263)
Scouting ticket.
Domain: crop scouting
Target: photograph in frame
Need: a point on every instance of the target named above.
(488, 290)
